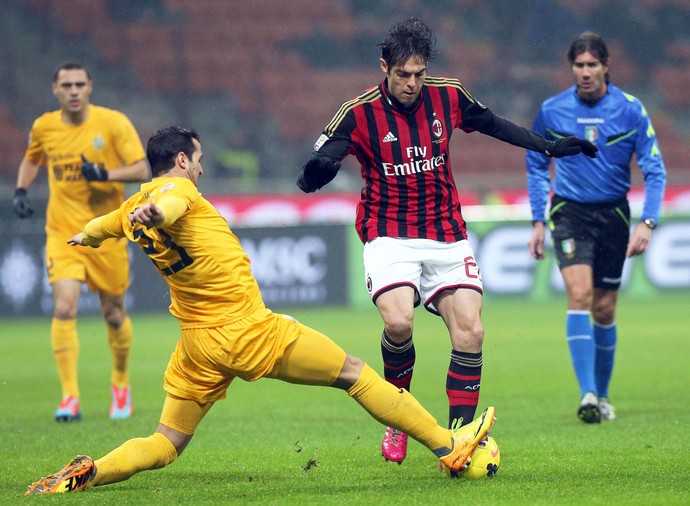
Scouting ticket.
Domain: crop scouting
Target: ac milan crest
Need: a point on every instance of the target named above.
(437, 128)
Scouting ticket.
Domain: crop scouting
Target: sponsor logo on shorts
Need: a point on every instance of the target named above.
(568, 247)
(369, 283)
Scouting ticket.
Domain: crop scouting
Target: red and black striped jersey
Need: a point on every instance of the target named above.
(409, 189)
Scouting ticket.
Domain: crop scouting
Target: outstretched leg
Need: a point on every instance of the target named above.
(316, 360)
(134, 456)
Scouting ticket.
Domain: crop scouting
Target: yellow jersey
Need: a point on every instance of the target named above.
(208, 272)
(106, 137)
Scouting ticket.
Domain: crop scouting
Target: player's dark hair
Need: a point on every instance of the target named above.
(589, 42)
(406, 39)
(71, 65)
(164, 146)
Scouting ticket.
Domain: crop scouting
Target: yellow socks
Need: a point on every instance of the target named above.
(397, 408)
(134, 456)
(65, 344)
(120, 341)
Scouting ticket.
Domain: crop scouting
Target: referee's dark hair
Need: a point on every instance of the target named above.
(589, 42)
(406, 39)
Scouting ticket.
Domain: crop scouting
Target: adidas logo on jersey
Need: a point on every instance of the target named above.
(390, 137)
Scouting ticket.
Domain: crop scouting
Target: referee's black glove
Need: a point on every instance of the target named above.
(316, 173)
(570, 145)
(93, 171)
(20, 204)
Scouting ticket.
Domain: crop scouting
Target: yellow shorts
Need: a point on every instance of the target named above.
(104, 271)
(265, 344)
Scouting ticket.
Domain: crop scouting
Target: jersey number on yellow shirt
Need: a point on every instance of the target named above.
(174, 256)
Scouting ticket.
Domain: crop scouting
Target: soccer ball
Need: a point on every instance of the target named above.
(485, 461)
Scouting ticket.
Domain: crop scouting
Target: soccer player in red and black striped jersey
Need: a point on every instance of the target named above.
(409, 216)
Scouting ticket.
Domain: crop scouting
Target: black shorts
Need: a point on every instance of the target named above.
(593, 234)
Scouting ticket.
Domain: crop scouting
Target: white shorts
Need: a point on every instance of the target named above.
(428, 266)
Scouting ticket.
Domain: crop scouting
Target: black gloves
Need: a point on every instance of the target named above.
(316, 173)
(93, 171)
(20, 204)
(570, 145)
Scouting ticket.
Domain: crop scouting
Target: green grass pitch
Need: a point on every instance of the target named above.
(273, 443)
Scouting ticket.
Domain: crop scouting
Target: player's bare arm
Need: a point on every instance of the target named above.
(536, 240)
(27, 173)
(639, 240)
(138, 171)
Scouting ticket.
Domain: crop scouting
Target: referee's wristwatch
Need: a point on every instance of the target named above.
(650, 222)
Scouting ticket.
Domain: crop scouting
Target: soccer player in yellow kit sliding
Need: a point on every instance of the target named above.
(226, 331)
(89, 152)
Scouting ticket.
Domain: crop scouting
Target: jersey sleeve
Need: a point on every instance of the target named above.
(538, 174)
(176, 196)
(336, 139)
(173, 208)
(652, 166)
(104, 227)
(34, 150)
(478, 117)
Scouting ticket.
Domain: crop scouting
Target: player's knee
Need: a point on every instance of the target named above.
(604, 315)
(469, 339)
(114, 321)
(579, 297)
(114, 315)
(65, 310)
(477, 335)
(350, 372)
(399, 328)
(604, 306)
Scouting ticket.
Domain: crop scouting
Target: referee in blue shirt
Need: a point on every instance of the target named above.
(589, 216)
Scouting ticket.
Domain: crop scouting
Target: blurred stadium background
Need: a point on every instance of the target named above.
(259, 79)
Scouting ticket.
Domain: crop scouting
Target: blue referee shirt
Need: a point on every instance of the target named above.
(619, 125)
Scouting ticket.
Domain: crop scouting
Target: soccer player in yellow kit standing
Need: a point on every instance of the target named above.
(89, 152)
(226, 330)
